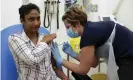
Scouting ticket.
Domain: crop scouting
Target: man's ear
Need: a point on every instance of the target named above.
(22, 20)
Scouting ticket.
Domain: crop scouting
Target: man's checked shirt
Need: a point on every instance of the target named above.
(33, 61)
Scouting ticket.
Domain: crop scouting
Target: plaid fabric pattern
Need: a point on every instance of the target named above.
(33, 61)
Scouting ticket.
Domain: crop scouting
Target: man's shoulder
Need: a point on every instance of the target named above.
(15, 35)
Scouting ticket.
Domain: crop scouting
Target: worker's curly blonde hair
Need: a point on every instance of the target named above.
(75, 14)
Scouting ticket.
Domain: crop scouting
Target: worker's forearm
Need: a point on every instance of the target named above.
(74, 67)
(77, 57)
(95, 61)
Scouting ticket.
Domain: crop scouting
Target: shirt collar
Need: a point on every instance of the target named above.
(24, 36)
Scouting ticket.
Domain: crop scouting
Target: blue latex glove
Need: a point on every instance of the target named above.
(68, 50)
(59, 66)
(56, 53)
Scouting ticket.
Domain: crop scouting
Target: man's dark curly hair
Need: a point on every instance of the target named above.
(25, 9)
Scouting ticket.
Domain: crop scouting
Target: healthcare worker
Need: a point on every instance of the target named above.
(98, 39)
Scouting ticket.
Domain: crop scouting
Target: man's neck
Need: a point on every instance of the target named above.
(31, 35)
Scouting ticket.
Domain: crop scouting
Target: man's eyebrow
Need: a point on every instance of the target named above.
(31, 17)
(34, 17)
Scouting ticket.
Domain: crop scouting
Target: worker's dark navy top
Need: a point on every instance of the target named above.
(97, 33)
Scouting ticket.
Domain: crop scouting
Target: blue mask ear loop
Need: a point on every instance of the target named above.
(70, 32)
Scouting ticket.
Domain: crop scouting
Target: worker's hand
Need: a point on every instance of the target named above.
(68, 50)
(56, 53)
(48, 38)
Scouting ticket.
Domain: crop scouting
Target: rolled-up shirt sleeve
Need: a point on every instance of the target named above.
(29, 55)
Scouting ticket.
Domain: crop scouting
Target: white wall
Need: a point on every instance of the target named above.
(125, 14)
(93, 16)
(106, 7)
(9, 12)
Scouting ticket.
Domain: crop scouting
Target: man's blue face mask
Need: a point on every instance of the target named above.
(72, 34)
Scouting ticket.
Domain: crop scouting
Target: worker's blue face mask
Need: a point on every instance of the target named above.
(72, 34)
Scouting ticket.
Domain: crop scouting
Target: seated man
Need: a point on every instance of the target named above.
(31, 49)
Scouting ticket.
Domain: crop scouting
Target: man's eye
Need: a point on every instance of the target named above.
(31, 19)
